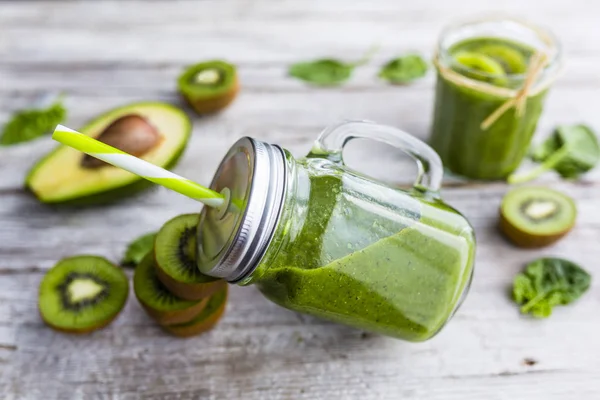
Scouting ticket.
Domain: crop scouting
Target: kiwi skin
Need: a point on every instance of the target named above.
(202, 326)
(189, 291)
(526, 240)
(212, 105)
(104, 324)
(175, 317)
(164, 316)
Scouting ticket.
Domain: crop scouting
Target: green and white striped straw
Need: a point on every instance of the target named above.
(137, 166)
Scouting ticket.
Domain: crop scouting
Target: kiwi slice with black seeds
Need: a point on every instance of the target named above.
(81, 294)
(209, 86)
(175, 252)
(157, 300)
(206, 320)
(536, 216)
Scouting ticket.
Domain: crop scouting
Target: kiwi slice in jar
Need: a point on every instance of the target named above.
(81, 294)
(512, 60)
(480, 67)
(157, 300)
(536, 216)
(209, 86)
(175, 250)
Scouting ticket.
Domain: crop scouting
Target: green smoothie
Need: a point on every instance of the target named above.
(338, 255)
(467, 148)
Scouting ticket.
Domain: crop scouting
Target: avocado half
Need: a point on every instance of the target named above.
(60, 177)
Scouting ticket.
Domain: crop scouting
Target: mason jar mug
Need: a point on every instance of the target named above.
(317, 237)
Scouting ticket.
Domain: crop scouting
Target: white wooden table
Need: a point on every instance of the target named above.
(107, 54)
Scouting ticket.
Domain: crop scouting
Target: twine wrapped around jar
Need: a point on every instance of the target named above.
(515, 97)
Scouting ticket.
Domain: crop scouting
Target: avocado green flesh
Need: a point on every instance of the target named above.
(465, 148)
(59, 177)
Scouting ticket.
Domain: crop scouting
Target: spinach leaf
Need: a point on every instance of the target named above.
(327, 71)
(138, 249)
(404, 69)
(27, 125)
(549, 282)
(571, 151)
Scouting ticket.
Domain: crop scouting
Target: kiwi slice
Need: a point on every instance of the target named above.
(206, 320)
(481, 67)
(175, 253)
(209, 86)
(159, 303)
(536, 216)
(81, 294)
(512, 60)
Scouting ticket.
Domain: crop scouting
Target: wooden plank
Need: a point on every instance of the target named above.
(293, 120)
(292, 348)
(103, 54)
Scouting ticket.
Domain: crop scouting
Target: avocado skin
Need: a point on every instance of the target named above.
(116, 194)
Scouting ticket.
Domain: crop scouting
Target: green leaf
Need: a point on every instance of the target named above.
(138, 249)
(545, 149)
(27, 125)
(571, 151)
(549, 282)
(522, 289)
(326, 72)
(404, 69)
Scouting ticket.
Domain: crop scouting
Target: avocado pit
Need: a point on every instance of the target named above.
(131, 133)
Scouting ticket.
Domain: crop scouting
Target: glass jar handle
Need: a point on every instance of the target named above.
(332, 140)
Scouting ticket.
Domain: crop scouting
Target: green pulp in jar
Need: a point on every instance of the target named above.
(465, 148)
(401, 275)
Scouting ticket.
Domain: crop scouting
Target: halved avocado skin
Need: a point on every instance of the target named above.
(113, 195)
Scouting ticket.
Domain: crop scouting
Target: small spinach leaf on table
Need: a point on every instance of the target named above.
(137, 250)
(404, 69)
(549, 282)
(326, 72)
(30, 124)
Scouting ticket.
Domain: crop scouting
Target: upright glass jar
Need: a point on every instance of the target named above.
(493, 77)
(319, 238)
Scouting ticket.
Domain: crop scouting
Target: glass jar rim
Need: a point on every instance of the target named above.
(543, 34)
